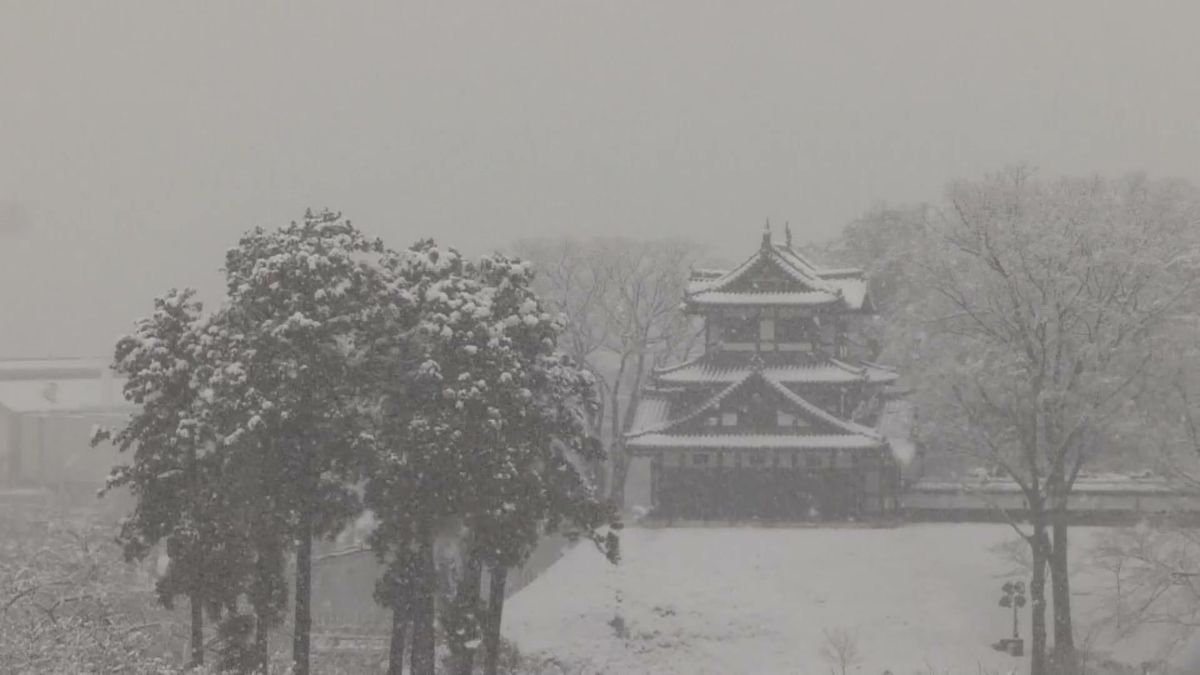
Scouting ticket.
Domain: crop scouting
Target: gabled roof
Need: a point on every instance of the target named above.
(656, 441)
(750, 378)
(788, 263)
(816, 286)
(702, 370)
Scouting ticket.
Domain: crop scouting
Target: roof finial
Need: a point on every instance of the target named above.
(766, 240)
(787, 233)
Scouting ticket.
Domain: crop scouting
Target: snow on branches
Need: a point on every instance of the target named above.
(336, 375)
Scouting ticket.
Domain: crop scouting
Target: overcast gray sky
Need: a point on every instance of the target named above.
(138, 139)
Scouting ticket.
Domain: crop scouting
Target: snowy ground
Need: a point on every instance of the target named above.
(921, 598)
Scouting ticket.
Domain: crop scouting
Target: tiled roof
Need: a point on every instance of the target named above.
(652, 412)
(854, 291)
(654, 422)
(788, 261)
(824, 286)
(815, 411)
(754, 442)
(767, 299)
(830, 371)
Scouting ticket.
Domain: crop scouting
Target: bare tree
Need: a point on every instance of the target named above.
(840, 649)
(623, 298)
(1047, 298)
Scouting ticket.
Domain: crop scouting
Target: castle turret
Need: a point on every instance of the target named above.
(776, 419)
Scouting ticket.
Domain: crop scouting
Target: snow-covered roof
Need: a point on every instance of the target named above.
(853, 290)
(652, 426)
(65, 368)
(92, 395)
(818, 286)
(753, 442)
(789, 262)
(652, 413)
(830, 371)
(815, 411)
(1083, 485)
(767, 299)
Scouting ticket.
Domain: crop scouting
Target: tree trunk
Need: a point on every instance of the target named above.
(197, 644)
(491, 636)
(303, 618)
(620, 473)
(467, 604)
(616, 452)
(621, 458)
(1037, 601)
(262, 634)
(396, 648)
(1060, 584)
(424, 603)
(260, 600)
(197, 559)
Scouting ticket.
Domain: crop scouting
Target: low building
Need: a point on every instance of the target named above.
(48, 410)
(1096, 499)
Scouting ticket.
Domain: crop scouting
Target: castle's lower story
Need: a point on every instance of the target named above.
(774, 485)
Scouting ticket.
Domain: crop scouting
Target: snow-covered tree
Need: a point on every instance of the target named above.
(172, 475)
(535, 443)
(473, 396)
(410, 483)
(297, 298)
(1046, 301)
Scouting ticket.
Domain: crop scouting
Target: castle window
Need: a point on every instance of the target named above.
(766, 330)
(738, 329)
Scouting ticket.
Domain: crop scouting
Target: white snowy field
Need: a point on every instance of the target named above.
(921, 599)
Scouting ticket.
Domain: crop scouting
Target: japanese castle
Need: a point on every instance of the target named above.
(778, 419)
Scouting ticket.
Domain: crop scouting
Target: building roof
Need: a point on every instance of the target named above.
(662, 441)
(41, 369)
(90, 395)
(1106, 484)
(653, 411)
(766, 299)
(653, 424)
(814, 286)
(828, 371)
